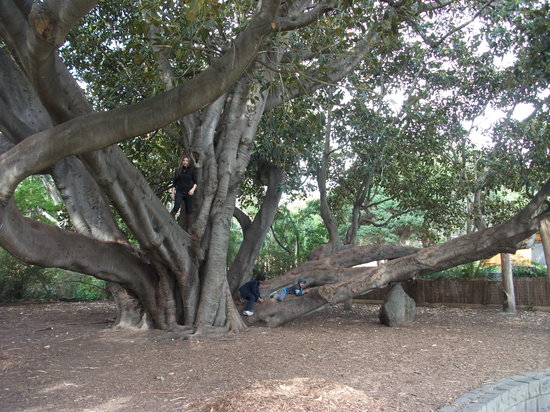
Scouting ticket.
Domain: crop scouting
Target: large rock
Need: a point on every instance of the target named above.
(397, 308)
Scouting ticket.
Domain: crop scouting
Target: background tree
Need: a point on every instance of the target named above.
(294, 233)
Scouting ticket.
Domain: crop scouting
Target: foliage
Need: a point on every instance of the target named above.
(522, 144)
(413, 152)
(420, 153)
(475, 270)
(536, 270)
(288, 137)
(293, 235)
(38, 201)
(116, 37)
(469, 271)
(19, 281)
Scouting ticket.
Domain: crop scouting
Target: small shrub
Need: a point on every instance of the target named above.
(472, 270)
(19, 281)
(490, 272)
(536, 270)
(82, 287)
(475, 271)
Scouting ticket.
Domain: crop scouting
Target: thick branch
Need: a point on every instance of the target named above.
(242, 218)
(52, 19)
(298, 19)
(324, 270)
(45, 245)
(254, 235)
(19, 107)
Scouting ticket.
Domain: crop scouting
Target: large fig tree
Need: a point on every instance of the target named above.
(203, 74)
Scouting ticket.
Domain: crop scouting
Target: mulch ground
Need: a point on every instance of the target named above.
(65, 357)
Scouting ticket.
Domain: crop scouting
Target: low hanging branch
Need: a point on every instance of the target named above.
(337, 281)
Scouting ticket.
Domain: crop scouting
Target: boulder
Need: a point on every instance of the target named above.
(398, 308)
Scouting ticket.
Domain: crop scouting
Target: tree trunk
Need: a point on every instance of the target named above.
(545, 236)
(355, 220)
(333, 243)
(509, 304)
(157, 284)
(255, 232)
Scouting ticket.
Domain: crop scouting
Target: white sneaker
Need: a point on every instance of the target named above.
(248, 313)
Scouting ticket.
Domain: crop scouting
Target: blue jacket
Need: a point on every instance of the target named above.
(250, 290)
(295, 289)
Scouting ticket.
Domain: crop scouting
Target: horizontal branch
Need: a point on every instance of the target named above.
(302, 19)
(45, 245)
(328, 269)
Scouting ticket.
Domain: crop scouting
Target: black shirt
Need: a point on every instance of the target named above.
(184, 179)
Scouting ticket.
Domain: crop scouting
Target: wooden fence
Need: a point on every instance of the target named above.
(529, 292)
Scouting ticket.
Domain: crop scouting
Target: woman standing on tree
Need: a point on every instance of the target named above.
(184, 185)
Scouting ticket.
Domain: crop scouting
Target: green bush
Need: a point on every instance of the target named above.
(490, 272)
(468, 271)
(19, 281)
(536, 270)
(474, 270)
(452, 274)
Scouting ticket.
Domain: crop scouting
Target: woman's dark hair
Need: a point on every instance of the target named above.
(260, 276)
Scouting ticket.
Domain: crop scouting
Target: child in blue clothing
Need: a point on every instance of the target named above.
(297, 289)
(250, 291)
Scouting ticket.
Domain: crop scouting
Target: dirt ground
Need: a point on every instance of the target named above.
(65, 357)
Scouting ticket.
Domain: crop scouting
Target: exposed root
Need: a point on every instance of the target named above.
(128, 323)
(182, 333)
(326, 292)
(178, 333)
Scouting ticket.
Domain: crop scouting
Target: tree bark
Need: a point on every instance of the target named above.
(545, 237)
(333, 243)
(509, 304)
(254, 234)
